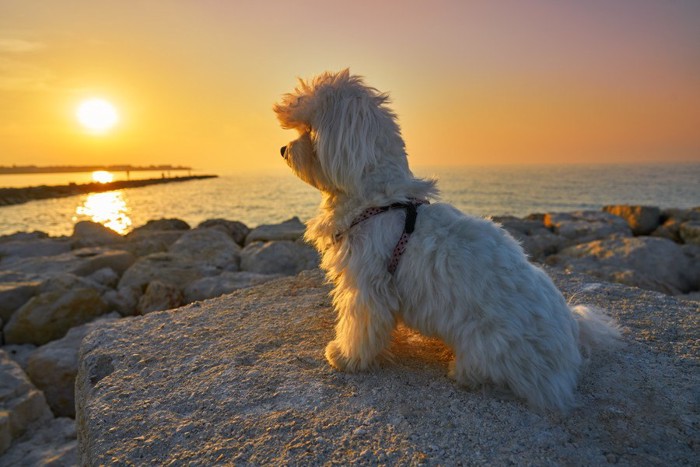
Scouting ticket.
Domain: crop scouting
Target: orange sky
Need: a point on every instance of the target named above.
(473, 83)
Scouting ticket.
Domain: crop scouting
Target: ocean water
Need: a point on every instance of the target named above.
(265, 198)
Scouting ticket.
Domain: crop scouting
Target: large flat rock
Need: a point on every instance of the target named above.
(242, 380)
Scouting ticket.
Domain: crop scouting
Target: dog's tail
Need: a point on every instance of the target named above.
(595, 329)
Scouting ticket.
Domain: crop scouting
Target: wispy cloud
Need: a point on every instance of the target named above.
(19, 46)
(19, 76)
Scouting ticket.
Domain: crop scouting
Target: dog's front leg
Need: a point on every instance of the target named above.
(363, 332)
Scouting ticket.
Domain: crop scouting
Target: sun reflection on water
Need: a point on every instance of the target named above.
(108, 209)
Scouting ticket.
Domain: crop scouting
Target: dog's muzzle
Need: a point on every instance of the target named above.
(283, 151)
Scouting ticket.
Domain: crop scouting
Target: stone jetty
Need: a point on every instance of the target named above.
(168, 373)
(10, 196)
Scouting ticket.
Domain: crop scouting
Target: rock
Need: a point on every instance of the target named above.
(147, 242)
(52, 443)
(291, 230)
(105, 277)
(99, 258)
(53, 367)
(242, 379)
(161, 224)
(672, 220)
(647, 262)
(537, 240)
(227, 282)
(167, 268)
(690, 232)
(49, 315)
(643, 220)
(15, 294)
(23, 236)
(278, 257)
(123, 300)
(21, 404)
(12, 250)
(210, 247)
(159, 296)
(237, 230)
(586, 226)
(20, 353)
(88, 233)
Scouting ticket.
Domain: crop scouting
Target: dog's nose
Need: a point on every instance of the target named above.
(283, 149)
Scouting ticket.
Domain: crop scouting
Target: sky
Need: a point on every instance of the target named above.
(472, 82)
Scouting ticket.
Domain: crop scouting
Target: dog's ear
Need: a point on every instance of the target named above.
(346, 134)
(294, 111)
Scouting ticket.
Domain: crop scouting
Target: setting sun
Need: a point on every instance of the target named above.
(97, 115)
(102, 176)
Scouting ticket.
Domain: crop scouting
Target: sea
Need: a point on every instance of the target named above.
(273, 197)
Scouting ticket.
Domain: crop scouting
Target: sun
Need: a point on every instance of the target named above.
(97, 115)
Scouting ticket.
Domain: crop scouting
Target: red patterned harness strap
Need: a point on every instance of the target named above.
(411, 208)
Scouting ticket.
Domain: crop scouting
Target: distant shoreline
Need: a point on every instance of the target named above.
(32, 169)
(13, 196)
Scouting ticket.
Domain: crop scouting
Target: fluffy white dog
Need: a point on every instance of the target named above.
(393, 256)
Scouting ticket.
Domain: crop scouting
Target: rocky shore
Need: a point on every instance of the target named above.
(54, 291)
(10, 196)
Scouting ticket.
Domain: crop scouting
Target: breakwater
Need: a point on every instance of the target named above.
(10, 196)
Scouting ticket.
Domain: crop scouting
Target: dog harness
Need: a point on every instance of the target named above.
(411, 208)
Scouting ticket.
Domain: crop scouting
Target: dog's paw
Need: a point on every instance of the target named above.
(335, 356)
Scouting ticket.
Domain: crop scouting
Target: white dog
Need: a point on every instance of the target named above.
(393, 256)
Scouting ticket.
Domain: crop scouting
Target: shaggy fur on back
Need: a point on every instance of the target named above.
(461, 278)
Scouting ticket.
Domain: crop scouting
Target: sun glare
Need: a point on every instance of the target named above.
(102, 176)
(97, 115)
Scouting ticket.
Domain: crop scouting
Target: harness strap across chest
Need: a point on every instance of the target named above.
(411, 208)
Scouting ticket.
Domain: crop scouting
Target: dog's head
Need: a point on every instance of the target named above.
(346, 132)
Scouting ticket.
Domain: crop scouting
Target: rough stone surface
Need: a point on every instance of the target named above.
(537, 240)
(15, 294)
(643, 220)
(226, 282)
(159, 296)
(161, 224)
(167, 268)
(242, 380)
(237, 230)
(28, 248)
(96, 259)
(291, 230)
(278, 257)
(53, 443)
(690, 232)
(88, 233)
(586, 226)
(21, 404)
(647, 262)
(209, 246)
(50, 315)
(53, 367)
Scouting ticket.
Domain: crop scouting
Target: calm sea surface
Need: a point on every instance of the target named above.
(256, 199)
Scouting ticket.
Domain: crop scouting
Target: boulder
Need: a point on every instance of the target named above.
(242, 379)
(537, 240)
(88, 233)
(643, 220)
(20, 353)
(237, 230)
(278, 257)
(690, 232)
(159, 296)
(99, 258)
(123, 300)
(226, 282)
(23, 236)
(105, 277)
(672, 220)
(586, 226)
(211, 247)
(160, 224)
(52, 443)
(21, 404)
(11, 251)
(291, 230)
(49, 315)
(648, 262)
(168, 268)
(147, 242)
(15, 294)
(53, 367)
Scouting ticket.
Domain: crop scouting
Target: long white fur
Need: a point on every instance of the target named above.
(461, 278)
